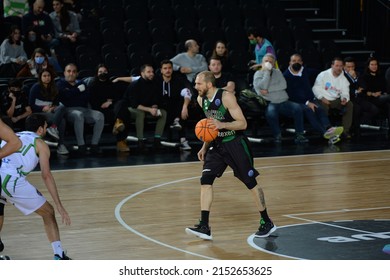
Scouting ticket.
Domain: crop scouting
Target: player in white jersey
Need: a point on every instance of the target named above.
(13, 144)
(17, 190)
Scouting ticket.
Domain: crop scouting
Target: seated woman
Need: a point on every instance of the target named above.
(220, 50)
(12, 54)
(44, 99)
(39, 61)
(66, 26)
(373, 84)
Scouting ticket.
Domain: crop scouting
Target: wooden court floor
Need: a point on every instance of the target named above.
(140, 212)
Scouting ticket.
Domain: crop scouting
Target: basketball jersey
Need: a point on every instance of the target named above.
(22, 162)
(214, 109)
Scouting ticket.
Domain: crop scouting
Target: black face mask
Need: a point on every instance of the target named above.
(296, 66)
(103, 76)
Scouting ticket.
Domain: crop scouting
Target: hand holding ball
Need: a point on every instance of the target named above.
(205, 130)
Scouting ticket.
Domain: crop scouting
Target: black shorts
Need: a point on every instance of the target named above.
(237, 154)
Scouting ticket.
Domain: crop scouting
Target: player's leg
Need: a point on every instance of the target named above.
(46, 211)
(240, 159)
(266, 225)
(1, 223)
(213, 165)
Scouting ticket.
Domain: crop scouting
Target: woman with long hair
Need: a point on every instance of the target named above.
(44, 99)
(221, 51)
(66, 24)
(12, 54)
(38, 62)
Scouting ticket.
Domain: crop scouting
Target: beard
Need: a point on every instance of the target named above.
(202, 92)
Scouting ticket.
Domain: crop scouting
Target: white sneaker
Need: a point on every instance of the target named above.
(53, 131)
(62, 150)
(185, 146)
(176, 124)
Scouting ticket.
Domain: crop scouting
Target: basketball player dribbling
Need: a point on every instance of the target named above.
(231, 148)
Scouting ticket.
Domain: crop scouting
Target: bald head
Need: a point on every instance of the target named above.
(191, 46)
(38, 6)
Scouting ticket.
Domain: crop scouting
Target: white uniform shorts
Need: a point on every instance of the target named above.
(19, 192)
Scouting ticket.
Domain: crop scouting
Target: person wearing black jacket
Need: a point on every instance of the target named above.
(107, 98)
(145, 101)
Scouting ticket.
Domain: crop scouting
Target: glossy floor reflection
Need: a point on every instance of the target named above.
(369, 140)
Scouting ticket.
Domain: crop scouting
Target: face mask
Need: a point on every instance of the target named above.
(103, 76)
(253, 42)
(39, 60)
(296, 66)
(32, 38)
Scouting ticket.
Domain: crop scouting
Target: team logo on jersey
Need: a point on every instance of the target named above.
(218, 102)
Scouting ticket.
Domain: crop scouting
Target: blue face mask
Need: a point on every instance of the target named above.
(39, 60)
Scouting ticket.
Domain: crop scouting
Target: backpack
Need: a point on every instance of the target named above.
(251, 103)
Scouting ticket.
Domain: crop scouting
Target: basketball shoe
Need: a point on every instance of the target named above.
(119, 126)
(265, 229)
(53, 131)
(63, 257)
(201, 231)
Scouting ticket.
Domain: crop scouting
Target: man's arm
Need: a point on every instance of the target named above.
(318, 88)
(261, 80)
(13, 142)
(43, 152)
(230, 102)
(129, 79)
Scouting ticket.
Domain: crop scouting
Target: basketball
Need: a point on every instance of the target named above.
(204, 132)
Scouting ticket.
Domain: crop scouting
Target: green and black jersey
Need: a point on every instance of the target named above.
(214, 109)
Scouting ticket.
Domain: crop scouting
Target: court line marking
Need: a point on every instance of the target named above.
(294, 216)
(190, 162)
(123, 223)
(251, 238)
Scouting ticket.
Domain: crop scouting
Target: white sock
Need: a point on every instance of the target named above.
(57, 248)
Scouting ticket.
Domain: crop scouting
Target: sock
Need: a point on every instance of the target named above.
(57, 248)
(204, 220)
(264, 215)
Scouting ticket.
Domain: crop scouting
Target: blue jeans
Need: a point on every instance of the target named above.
(288, 109)
(318, 119)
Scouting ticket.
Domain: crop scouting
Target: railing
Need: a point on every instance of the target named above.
(385, 3)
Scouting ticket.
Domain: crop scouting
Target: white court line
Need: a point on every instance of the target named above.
(294, 216)
(121, 221)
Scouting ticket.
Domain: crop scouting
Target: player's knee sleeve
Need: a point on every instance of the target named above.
(250, 185)
(207, 179)
(1, 209)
